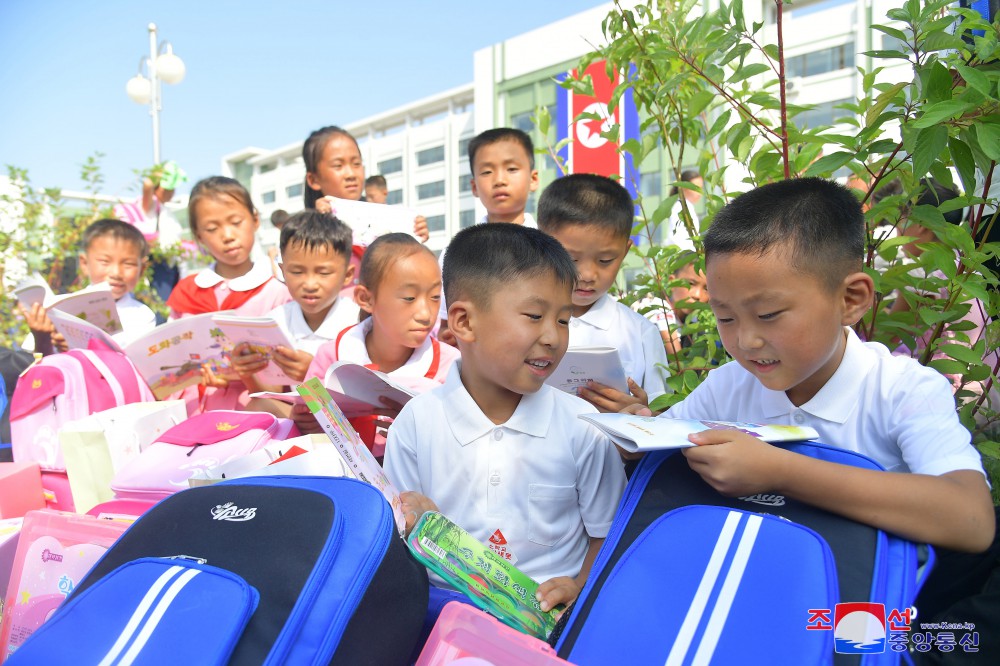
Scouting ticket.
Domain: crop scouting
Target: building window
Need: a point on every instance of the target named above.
(293, 191)
(822, 61)
(466, 218)
(463, 148)
(430, 156)
(522, 121)
(651, 183)
(394, 197)
(435, 223)
(268, 166)
(430, 190)
(395, 165)
(267, 197)
(823, 113)
(464, 183)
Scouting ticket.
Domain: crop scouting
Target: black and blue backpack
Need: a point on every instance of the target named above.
(687, 577)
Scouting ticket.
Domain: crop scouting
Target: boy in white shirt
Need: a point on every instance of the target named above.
(783, 264)
(591, 216)
(114, 252)
(316, 265)
(501, 453)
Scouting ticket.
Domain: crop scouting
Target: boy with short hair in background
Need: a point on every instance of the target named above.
(591, 216)
(376, 189)
(115, 252)
(498, 450)
(502, 161)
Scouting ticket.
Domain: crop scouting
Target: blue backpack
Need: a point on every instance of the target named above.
(687, 576)
(268, 570)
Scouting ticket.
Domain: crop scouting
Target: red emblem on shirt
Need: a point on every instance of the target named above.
(498, 538)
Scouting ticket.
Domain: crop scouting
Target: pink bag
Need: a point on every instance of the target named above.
(65, 387)
(202, 442)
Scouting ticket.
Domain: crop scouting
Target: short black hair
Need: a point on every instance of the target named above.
(486, 257)
(312, 153)
(497, 135)
(584, 198)
(378, 180)
(935, 194)
(687, 176)
(116, 229)
(818, 221)
(312, 230)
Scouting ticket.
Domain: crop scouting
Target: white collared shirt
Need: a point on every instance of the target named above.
(136, 317)
(529, 221)
(609, 323)
(546, 479)
(352, 348)
(289, 316)
(889, 408)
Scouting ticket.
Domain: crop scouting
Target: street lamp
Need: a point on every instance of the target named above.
(161, 65)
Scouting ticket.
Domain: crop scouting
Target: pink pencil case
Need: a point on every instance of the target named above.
(465, 633)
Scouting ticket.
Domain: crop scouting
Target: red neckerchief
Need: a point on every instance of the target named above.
(189, 298)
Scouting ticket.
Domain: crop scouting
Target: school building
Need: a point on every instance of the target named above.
(420, 147)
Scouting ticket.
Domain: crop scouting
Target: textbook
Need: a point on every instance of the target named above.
(589, 364)
(493, 583)
(169, 357)
(94, 304)
(649, 433)
(263, 334)
(368, 221)
(359, 459)
(368, 386)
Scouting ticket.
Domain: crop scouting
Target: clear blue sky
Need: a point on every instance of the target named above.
(259, 72)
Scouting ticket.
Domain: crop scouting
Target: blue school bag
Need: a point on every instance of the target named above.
(686, 576)
(280, 570)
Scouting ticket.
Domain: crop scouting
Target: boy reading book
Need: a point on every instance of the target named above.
(785, 281)
(591, 216)
(111, 251)
(316, 265)
(495, 449)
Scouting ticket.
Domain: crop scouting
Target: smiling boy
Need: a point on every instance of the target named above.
(495, 448)
(785, 281)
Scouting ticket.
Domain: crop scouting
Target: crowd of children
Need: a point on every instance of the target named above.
(495, 448)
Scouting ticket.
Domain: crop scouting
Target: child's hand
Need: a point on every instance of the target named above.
(304, 420)
(37, 319)
(555, 591)
(59, 342)
(323, 205)
(414, 506)
(246, 361)
(420, 228)
(209, 378)
(735, 463)
(294, 362)
(391, 409)
(609, 400)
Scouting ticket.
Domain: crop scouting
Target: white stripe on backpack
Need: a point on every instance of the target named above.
(730, 584)
(154, 618)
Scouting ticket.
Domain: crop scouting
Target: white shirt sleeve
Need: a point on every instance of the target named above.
(400, 460)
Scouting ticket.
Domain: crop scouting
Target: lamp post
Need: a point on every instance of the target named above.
(161, 65)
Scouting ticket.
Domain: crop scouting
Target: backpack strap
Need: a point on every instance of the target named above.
(103, 368)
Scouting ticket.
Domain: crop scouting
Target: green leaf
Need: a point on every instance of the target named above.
(946, 366)
(961, 353)
(975, 79)
(989, 139)
(828, 164)
(930, 142)
(747, 71)
(882, 101)
(964, 162)
(936, 113)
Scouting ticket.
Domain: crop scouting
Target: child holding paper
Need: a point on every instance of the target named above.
(115, 252)
(591, 216)
(399, 288)
(316, 255)
(501, 453)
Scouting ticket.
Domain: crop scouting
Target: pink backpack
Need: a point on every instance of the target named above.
(65, 387)
(204, 441)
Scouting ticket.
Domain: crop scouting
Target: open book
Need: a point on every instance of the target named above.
(263, 334)
(649, 433)
(359, 459)
(351, 407)
(370, 386)
(169, 357)
(368, 221)
(94, 304)
(586, 364)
